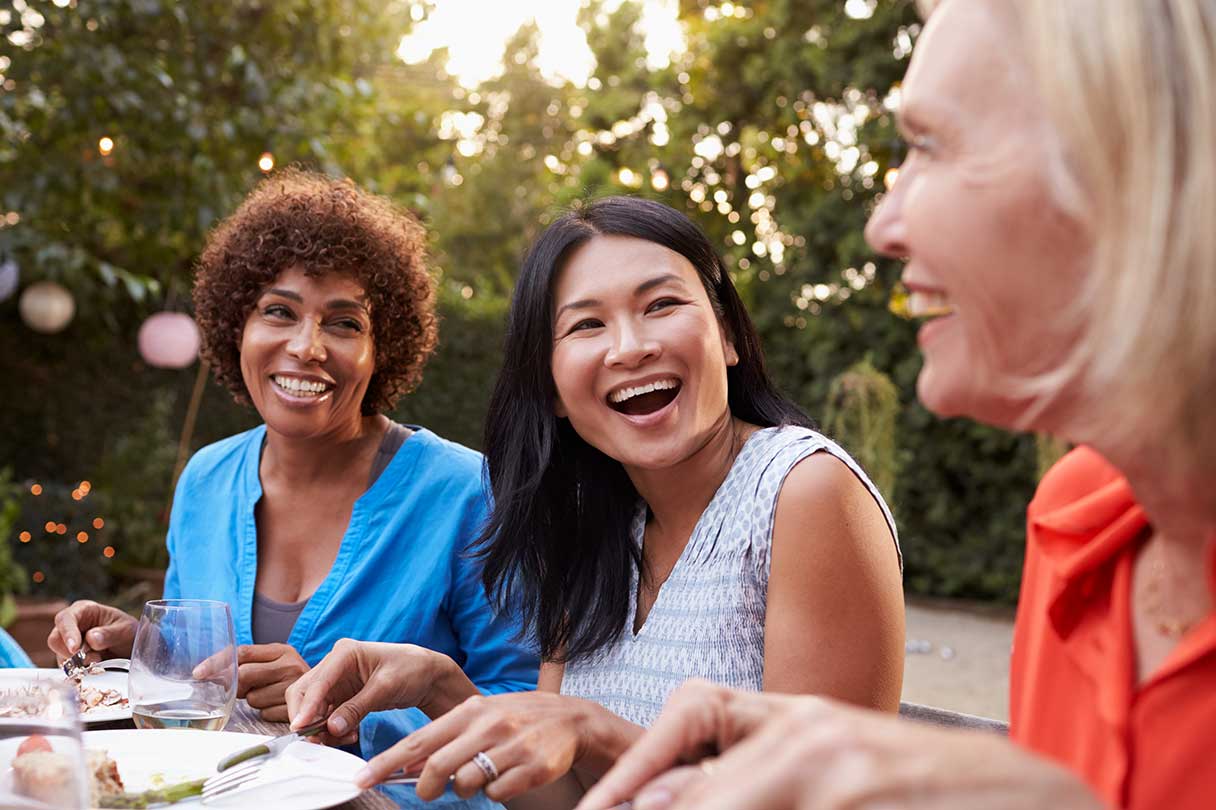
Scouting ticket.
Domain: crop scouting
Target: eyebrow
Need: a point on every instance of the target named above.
(644, 287)
(337, 303)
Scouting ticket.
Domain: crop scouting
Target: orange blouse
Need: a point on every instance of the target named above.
(1073, 694)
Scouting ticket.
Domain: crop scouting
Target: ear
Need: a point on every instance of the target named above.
(728, 349)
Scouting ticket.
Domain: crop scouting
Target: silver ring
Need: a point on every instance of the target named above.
(486, 765)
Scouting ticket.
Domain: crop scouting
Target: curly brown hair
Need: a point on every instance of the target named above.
(303, 219)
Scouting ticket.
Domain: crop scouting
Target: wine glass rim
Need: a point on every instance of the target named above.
(170, 604)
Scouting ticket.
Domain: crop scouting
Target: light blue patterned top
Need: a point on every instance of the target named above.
(708, 619)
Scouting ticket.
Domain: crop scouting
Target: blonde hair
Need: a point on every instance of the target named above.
(1130, 87)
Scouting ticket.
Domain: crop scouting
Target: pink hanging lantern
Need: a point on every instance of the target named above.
(169, 340)
(47, 307)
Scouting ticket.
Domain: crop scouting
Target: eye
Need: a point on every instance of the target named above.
(277, 311)
(919, 144)
(349, 324)
(584, 325)
(663, 303)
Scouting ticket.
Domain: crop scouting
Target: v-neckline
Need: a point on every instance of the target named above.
(638, 536)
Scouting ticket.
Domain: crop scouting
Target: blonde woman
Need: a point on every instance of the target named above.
(1056, 213)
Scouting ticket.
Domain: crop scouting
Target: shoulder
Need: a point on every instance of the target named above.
(823, 481)
(448, 458)
(225, 452)
(1075, 477)
(219, 464)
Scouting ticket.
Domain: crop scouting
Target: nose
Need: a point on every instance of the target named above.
(631, 347)
(307, 345)
(885, 232)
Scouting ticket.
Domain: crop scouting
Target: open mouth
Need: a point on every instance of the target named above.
(644, 399)
(300, 387)
(919, 304)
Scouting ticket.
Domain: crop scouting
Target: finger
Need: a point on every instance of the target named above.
(316, 691)
(275, 714)
(214, 665)
(415, 751)
(67, 626)
(470, 778)
(260, 653)
(270, 695)
(764, 772)
(251, 677)
(686, 726)
(379, 767)
(661, 792)
(450, 758)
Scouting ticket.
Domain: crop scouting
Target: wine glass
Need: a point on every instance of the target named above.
(183, 665)
(42, 761)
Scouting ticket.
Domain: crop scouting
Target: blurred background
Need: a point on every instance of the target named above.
(128, 128)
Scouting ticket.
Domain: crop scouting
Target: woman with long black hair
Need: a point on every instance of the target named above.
(661, 513)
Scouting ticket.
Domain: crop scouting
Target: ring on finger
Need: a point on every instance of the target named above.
(486, 765)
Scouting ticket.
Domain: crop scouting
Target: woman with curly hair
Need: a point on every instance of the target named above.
(329, 520)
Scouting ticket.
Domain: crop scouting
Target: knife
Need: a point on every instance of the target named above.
(270, 748)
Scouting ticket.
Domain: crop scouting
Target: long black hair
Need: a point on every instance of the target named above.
(557, 547)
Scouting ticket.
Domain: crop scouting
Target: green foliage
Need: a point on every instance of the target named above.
(12, 575)
(773, 130)
(861, 409)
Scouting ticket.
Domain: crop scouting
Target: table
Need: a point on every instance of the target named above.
(247, 720)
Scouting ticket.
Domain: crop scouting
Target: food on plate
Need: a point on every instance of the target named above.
(41, 773)
(93, 697)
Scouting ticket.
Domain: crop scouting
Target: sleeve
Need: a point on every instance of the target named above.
(496, 660)
(173, 588)
(11, 654)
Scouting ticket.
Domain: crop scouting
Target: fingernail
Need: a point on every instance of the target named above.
(656, 799)
(363, 778)
(72, 646)
(338, 725)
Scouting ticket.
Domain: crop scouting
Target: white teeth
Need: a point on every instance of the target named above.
(298, 386)
(630, 393)
(923, 304)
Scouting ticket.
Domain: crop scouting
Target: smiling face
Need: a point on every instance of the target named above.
(639, 358)
(991, 258)
(307, 354)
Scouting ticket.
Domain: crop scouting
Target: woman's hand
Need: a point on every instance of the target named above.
(532, 739)
(807, 753)
(264, 672)
(105, 629)
(360, 677)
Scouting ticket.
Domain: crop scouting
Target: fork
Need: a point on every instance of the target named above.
(245, 774)
(75, 665)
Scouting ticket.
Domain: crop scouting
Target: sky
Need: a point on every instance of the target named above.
(475, 32)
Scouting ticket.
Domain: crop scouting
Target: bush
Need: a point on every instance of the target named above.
(12, 575)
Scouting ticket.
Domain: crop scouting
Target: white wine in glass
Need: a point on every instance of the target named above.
(184, 665)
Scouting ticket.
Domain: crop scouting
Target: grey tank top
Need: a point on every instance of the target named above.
(708, 619)
(272, 622)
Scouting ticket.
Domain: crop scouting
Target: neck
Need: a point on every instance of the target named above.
(678, 495)
(308, 460)
(1180, 510)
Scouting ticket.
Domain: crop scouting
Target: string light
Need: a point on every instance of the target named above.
(36, 490)
(77, 495)
(105, 145)
(98, 523)
(659, 180)
(82, 537)
(266, 162)
(85, 487)
(39, 576)
(50, 527)
(61, 528)
(25, 537)
(108, 551)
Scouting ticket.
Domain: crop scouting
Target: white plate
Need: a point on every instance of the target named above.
(320, 777)
(103, 680)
